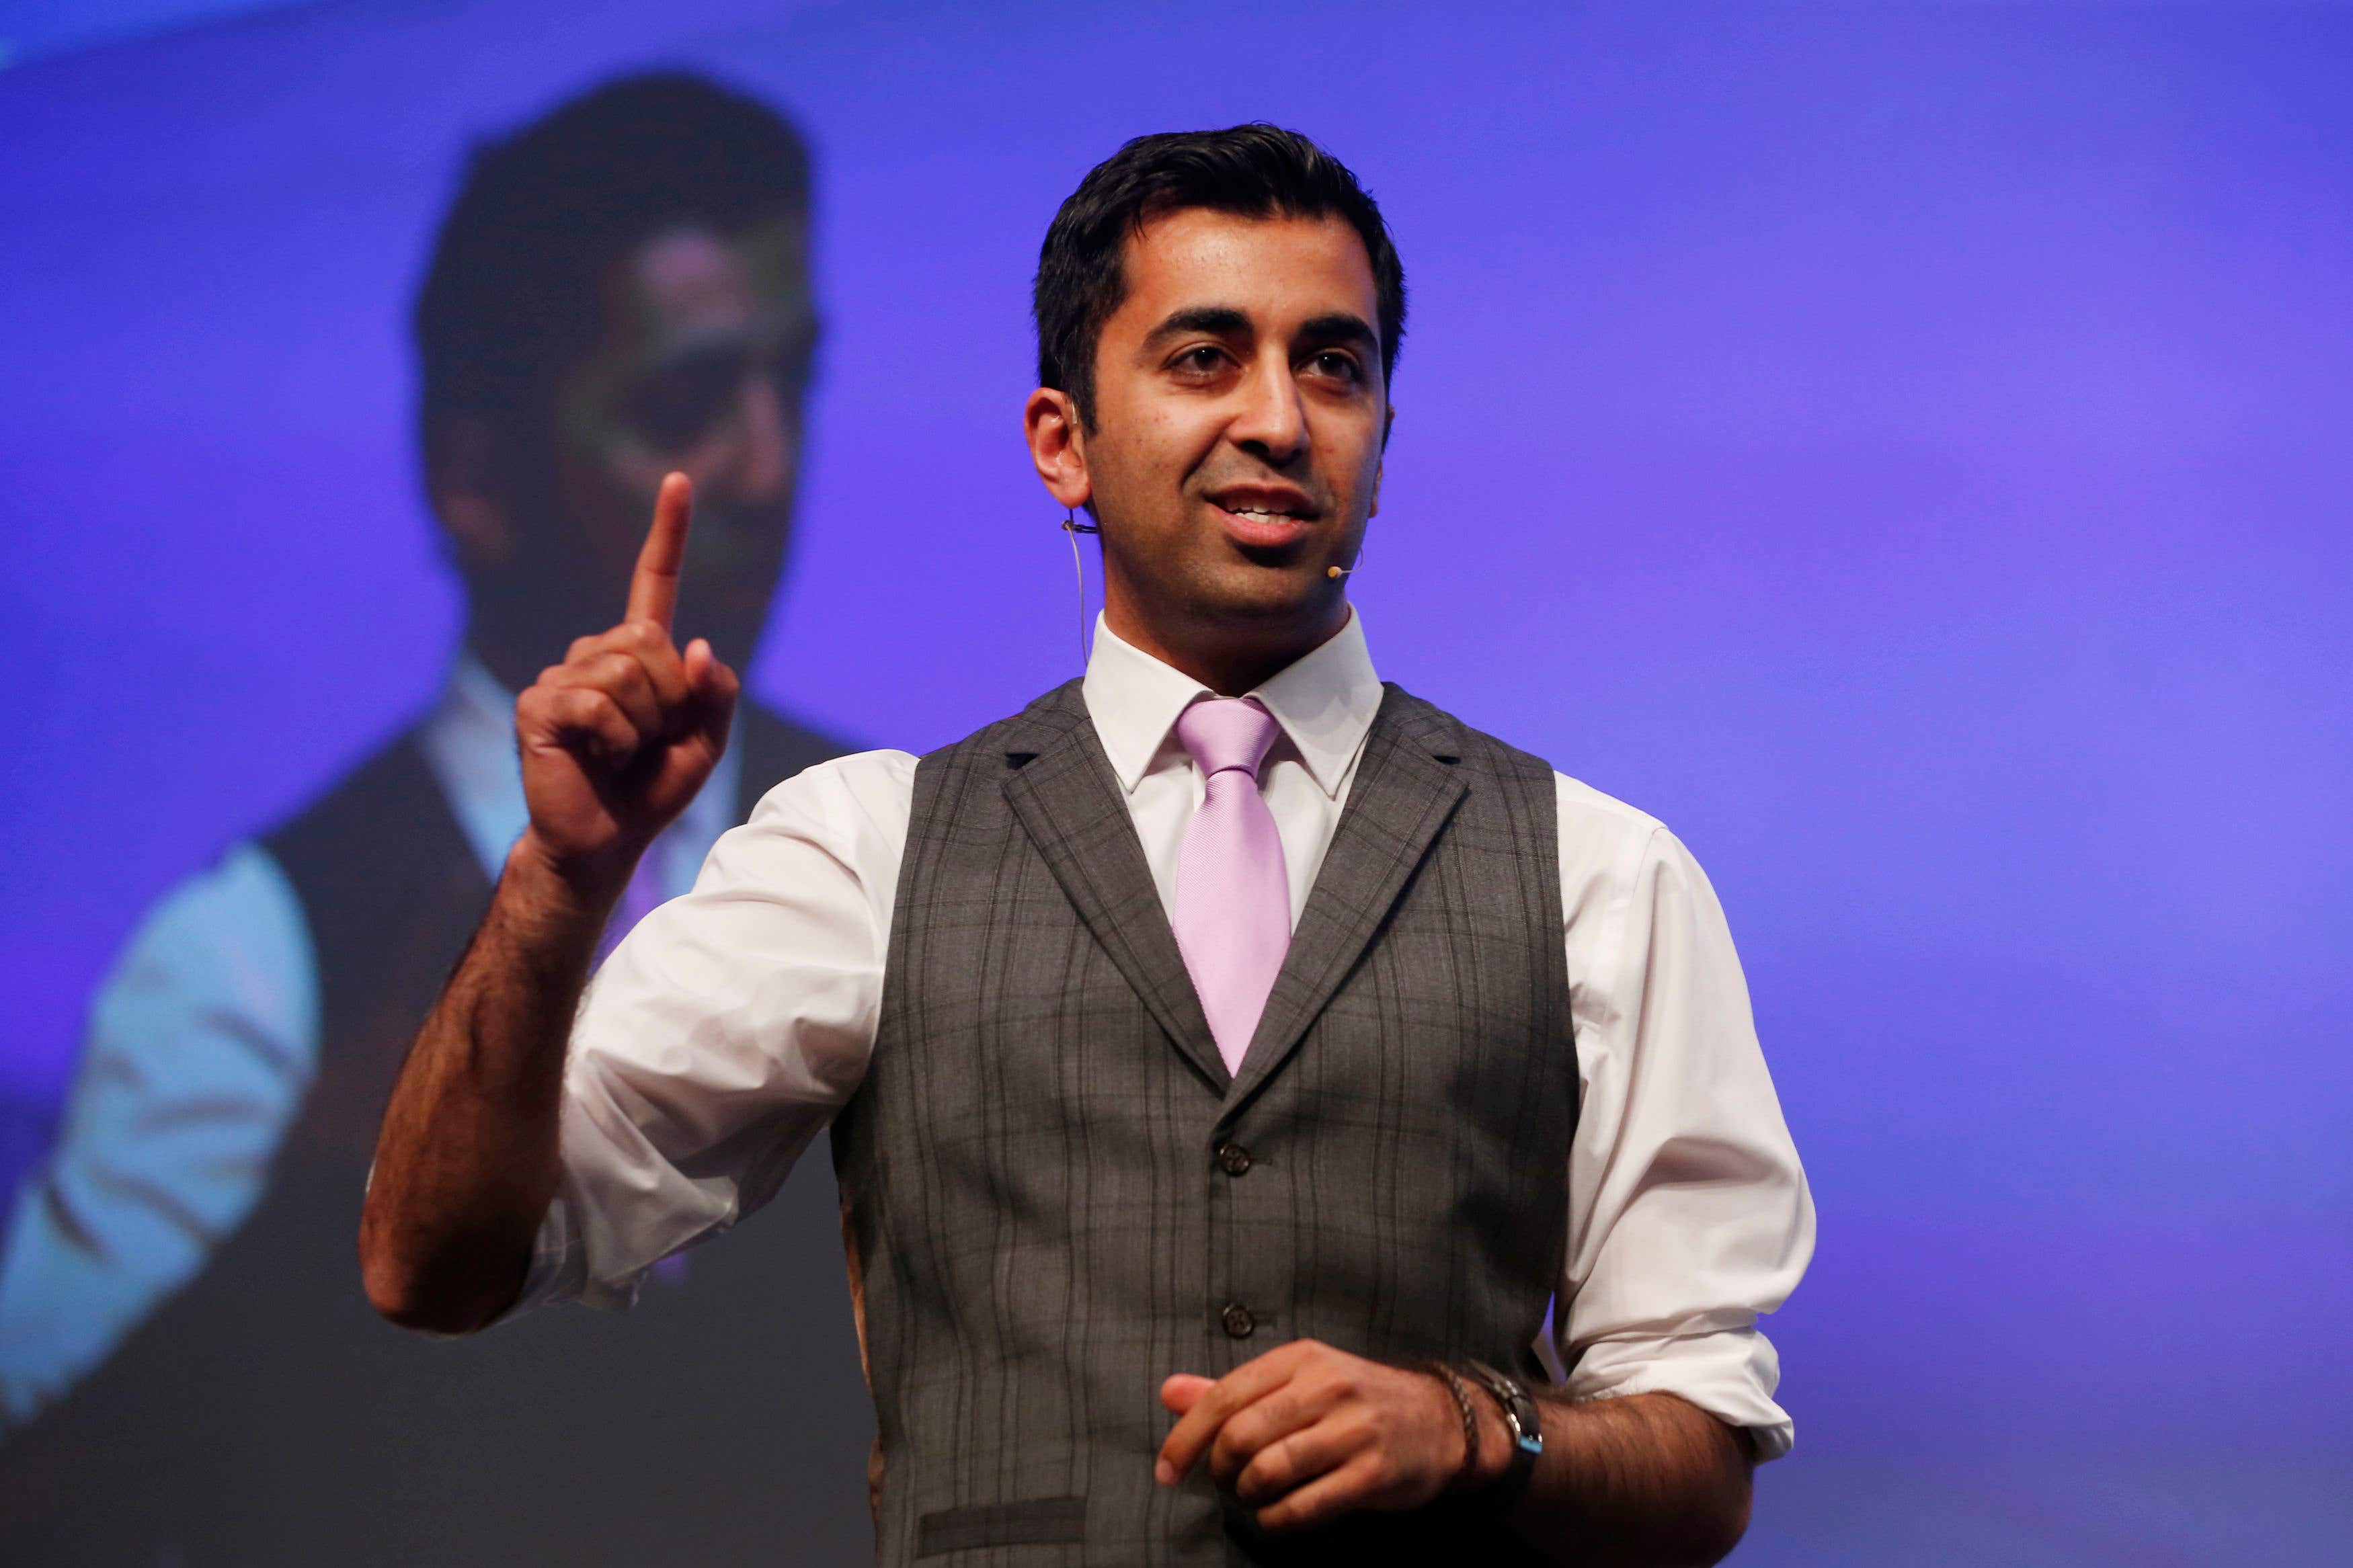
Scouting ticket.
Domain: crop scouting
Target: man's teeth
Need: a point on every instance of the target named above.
(1257, 512)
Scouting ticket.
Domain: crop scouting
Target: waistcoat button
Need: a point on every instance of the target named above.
(1234, 1158)
(1238, 1320)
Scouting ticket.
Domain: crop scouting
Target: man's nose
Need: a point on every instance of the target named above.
(751, 459)
(1270, 422)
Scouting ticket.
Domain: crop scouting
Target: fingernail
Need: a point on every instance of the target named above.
(1164, 1473)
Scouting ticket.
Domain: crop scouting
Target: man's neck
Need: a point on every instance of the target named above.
(1228, 658)
(509, 662)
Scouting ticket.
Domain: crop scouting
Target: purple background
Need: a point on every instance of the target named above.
(1905, 447)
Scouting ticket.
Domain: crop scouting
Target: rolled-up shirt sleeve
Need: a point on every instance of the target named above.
(1689, 1213)
(725, 1030)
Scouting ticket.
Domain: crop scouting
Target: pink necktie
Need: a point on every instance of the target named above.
(1233, 896)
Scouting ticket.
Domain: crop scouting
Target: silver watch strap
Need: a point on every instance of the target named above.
(1523, 1419)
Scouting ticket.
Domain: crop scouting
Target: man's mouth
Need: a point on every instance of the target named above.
(1263, 524)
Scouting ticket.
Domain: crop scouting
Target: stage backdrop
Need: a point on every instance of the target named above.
(1902, 446)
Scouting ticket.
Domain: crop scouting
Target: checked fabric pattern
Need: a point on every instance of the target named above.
(1057, 1191)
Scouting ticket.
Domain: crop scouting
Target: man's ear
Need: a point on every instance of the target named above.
(462, 482)
(1050, 420)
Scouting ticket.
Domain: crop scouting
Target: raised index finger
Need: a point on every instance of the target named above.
(653, 588)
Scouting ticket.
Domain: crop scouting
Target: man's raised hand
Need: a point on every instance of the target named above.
(616, 739)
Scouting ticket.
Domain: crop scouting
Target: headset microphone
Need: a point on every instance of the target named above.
(1073, 527)
(1335, 573)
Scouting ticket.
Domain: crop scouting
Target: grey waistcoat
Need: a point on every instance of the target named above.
(1055, 1195)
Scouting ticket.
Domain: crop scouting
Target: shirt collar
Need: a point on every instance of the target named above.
(1325, 701)
(468, 740)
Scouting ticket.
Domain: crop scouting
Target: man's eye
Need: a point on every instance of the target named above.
(1199, 361)
(1332, 362)
(673, 405)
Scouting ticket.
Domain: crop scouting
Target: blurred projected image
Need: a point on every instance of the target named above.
(189, 1370)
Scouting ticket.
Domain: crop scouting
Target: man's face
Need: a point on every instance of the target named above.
(1239, 411)
(701, 367)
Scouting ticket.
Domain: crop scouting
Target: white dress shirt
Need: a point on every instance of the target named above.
(731, 1025)
(202, 1044)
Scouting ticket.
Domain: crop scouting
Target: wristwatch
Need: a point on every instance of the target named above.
(1520, 1417)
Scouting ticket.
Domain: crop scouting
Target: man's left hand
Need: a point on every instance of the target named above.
(1306, 1432)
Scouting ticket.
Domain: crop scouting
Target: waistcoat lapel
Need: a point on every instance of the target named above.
(1405, 790)
(1064, 793)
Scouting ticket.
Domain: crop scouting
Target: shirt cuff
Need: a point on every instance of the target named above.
(559, 1271)
(1730, 1374)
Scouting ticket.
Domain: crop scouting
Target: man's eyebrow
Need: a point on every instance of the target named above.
(1341, 327)
(1218, 320)
(1224, 322)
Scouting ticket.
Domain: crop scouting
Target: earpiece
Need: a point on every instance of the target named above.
(1073, 527)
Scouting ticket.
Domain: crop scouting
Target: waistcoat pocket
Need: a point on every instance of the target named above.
(1038, 1521)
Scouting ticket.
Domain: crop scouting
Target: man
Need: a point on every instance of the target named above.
(1226, 1036)
(619, 288)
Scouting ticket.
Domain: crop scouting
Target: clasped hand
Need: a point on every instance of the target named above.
(1306, 1432)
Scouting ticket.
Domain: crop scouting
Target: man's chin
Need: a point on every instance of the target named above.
(732, 622)
(1270, 595)
(735, 646)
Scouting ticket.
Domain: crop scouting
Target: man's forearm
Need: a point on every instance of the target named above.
(469, 1157)
(1646, 1480)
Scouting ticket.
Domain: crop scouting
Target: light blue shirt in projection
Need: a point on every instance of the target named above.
(201, 1043)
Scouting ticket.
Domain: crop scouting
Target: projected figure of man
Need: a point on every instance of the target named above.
(619, 289)
(1229, 1058)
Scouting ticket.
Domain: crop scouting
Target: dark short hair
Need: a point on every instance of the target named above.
(511, 295)
(1254, 170)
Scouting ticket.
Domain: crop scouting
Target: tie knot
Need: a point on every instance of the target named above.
(1224, 732)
